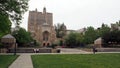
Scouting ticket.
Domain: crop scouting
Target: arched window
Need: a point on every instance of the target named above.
(45, 36)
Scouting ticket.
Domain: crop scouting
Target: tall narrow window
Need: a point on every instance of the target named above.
(45, 36)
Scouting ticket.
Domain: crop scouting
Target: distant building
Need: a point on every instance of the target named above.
(82, 31)
(40, 25)
(70, 31)
(115, 27)
(98, 42)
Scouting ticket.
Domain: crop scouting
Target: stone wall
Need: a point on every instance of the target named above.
(33, 50)
(3, 50)
(108, 49)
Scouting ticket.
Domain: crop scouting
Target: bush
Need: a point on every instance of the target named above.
(1, 45)
(53, 45)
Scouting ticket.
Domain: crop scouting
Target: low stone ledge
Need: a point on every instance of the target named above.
(34, 50)
(108, 49)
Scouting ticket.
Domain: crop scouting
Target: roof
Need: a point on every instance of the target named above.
(98, 41)
(8, 36)
(8, 39)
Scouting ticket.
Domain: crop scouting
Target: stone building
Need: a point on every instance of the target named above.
(98, 42)
(40, 24)
(115, 27)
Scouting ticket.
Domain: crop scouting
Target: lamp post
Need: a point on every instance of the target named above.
(15, 49)
(16, 29)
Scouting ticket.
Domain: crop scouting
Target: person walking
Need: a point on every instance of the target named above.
(94, 50)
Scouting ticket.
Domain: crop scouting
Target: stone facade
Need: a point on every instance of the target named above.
(98, 43)
(40, 24)
(115, 27)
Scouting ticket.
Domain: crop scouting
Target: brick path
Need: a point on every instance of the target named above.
(23, 61)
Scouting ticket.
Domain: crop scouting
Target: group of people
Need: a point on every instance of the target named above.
(36, 50)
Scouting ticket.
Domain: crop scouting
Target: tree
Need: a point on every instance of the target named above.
(13, 9)
(74, 39)
(90, 35)
(71, 40)
(5, 25)
(22, 37)
(103, 30)
(112, 37)
(60, 30)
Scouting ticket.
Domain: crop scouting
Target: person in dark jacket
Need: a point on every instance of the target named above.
(94, 50)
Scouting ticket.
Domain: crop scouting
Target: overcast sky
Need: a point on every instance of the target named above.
(77, 14)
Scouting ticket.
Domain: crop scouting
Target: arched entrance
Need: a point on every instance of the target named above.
(46, 35)
(43, 44)
(48, 44)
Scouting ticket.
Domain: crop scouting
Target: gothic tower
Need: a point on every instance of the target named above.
(40, 24)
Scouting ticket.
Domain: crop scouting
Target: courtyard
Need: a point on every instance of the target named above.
(59, 34)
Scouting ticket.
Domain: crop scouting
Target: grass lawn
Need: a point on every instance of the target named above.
(76, 61)
(6, 60)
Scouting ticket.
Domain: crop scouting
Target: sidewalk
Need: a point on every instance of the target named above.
(23, 61)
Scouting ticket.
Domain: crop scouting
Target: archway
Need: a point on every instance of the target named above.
(43, 44)
(48, 44)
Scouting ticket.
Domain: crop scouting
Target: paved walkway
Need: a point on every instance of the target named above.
(23, 61)
(73, 50)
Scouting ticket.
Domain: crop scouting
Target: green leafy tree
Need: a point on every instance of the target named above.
(112, 37)
(71, 40)
(103, 30)
(90, 35)
(13, 9)
(74, 39)
(22, 37)
(5, 25)
(60, 30)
